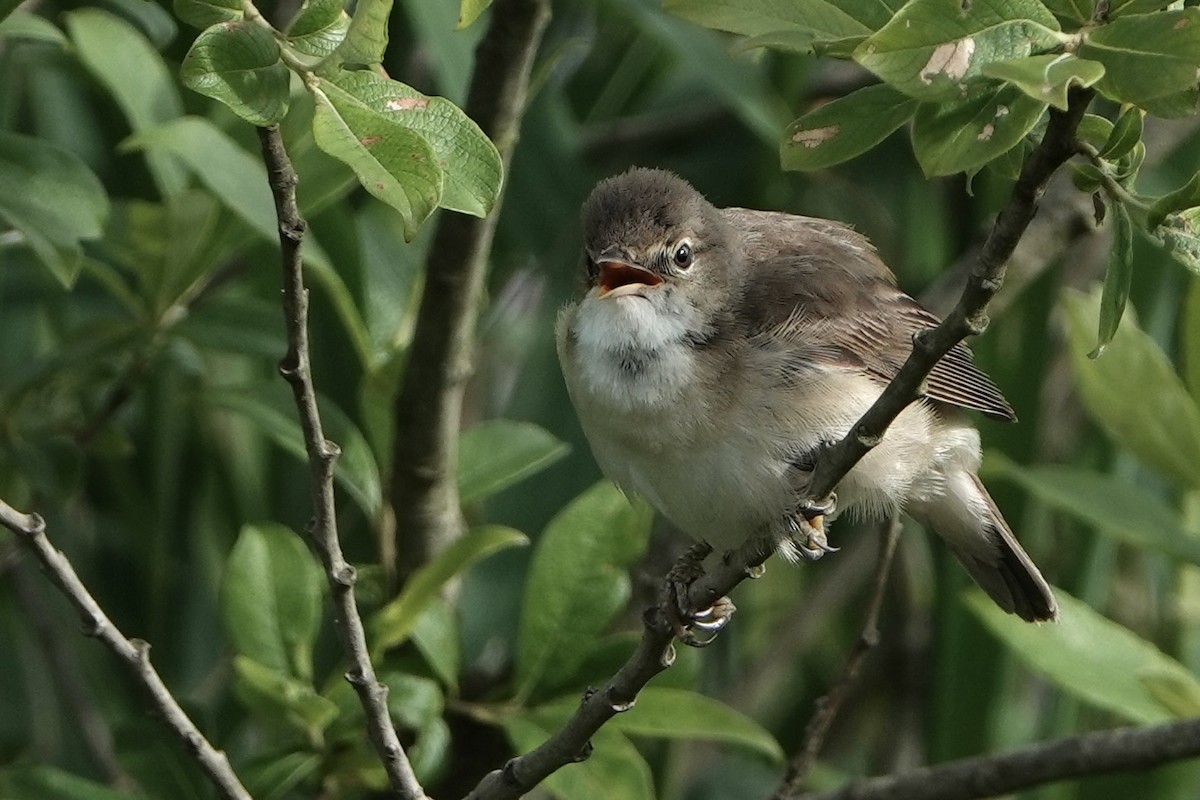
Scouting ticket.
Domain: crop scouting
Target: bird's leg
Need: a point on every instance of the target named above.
(806, 525)
(676, 605)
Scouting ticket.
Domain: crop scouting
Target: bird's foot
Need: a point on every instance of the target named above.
(807, 527)
(695, 628)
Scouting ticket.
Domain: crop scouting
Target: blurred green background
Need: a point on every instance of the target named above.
(141, 412)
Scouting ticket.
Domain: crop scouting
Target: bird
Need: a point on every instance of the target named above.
(715, 351)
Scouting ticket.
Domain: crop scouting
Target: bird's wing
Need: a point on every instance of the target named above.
(819, 287)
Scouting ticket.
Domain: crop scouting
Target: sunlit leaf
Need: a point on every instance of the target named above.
(1046, 77)
(962, 136)
(319, 28)
(842, 129)
(203, 13)
(279, 696)
(238, 63)
(1117, 279)
(495, 454)
(367, 37)
(1146, 56)
(469, 11)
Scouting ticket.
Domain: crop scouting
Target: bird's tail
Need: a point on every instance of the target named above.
(966, 517)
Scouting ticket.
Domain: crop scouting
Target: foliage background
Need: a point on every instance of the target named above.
(173, 325)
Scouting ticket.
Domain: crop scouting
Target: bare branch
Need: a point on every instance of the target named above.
(30, 530)
(322, 455)
(428, 410)
(829, 705)
(1118, 750)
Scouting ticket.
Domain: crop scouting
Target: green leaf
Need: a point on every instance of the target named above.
(1159, 423)
(319, 28)
(840, 130)
(1181, 236)
(1048, 77)
(495, 454)
(1179, 694)
(272, 777)
(238, 64)
(963, 136)
(1146, 56)
(1186, 196)
(392, 624)
(469, 11)
(473, 171)
(28, 781)
(1103, 502)
(665, 713)
(932, 47)
(577, 582)
(1189, 340)
(614, 770)
(436, 636)
(1126, 134)
(393, 162)
(53, 199)
(27, 25)
(815, 20)
(203, 13)
(1088, 656)
(271, 599)
(271, 408)
(278, 696)
(1116, 279)
(1075, 10)
(413, 701)
(1174, 106)
(134, 73)
(367, 37)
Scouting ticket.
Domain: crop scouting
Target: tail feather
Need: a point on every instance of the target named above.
(984, 544)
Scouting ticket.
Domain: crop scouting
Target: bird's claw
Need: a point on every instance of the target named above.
(808, 532)
(709, 621)
(814, 509)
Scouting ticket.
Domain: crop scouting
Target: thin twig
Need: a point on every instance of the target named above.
(428, 409)
(1117, 750)
(969, 317)
(654, 651)
(829, 705)
(322, 455)
(133, 653)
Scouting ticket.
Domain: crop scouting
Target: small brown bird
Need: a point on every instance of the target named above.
(716, 350)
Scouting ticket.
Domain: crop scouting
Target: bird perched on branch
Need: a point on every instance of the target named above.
(717, 350)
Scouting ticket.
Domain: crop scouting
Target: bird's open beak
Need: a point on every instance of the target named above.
(618, 278)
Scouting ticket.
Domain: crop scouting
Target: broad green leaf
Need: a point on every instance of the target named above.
(393, 162)
(1047, 77)
(1094, 130)
(134, 73)
(392, 624)
(1181, 235)
(271, 408)
(963, 136)
(1104, 502)
(1088, 656)
(436, 636)
(27, 25)
(614, 770)
(1178, 693)
(473, 171)
(367, 37)
(22, 780)
(279, 696)
(53, 199)
(1116, 279)
(203, 13)
(815, 20)
(666, 713)
(1186, 196)
(1074, 10)
(469, 11)
(840, 130)
(800, 41)
(413, 700)
(238, 64)
(1118, 8)
(1174, 106)
(273, 776)
(319, 28)
(932, 47)
(271, 599)
(1146, 56)
(1126, 134)
(577, 582)
(1189, 339)
(1159, 423)
(495, 454)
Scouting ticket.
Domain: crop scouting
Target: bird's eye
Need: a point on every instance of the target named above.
(683, 255)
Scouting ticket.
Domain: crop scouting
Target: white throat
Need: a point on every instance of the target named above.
(633, 351)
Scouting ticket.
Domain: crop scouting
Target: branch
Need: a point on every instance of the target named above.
(969, 317)
(322, 455)
(829, 705)
(654, 652)
(428, 409)
(30, 530)
(1118, 750)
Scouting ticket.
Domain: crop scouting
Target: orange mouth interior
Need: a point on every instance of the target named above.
(614, 275)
